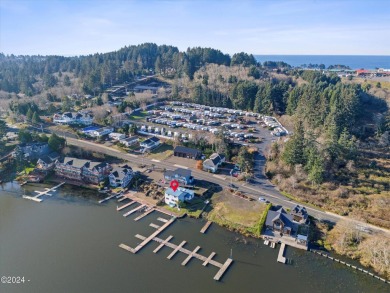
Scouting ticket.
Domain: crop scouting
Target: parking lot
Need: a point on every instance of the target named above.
(185, 121)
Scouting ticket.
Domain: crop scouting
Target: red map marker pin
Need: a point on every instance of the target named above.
(174, 185)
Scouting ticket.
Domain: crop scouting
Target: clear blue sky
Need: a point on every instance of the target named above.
(71, 27)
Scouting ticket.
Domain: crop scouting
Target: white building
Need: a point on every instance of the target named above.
(73, 118)
(129, 141)
(116, 136)
(121, 176)
(172, 198)
(150, 143)
(101, 132)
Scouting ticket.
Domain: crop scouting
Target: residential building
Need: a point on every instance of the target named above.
(47, 162)
(212, 164)
(129, 141)
(83, 118)
(181, 175)
(101, 132)
(81, 170)
(184, 152)
(33, 150)
(299, 214)
(288, 227)
(116, 136)
(173, 198)
(150, 143)
(121, 176)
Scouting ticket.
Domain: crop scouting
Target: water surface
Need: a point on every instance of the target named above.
(69, 243)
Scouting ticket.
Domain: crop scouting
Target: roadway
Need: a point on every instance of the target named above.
(254, 190)
(259, 186)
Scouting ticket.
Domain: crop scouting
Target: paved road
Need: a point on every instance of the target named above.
(254, 190)
(260, 187)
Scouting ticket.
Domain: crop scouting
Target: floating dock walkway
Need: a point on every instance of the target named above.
(41, 193)
(147, 212)
(125, 205)
(178, 248)
(281, 258)
(191, 254)
(107, 198)
(205, 227)
(134, 210)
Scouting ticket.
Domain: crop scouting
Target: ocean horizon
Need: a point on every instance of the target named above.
(353, 61)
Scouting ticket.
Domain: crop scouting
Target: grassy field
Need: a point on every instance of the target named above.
(138, 115)
(236, 214)
(193, 209)
(163, 152)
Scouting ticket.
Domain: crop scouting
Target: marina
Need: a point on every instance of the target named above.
(191, 254)
(42, 193)
(83, 221)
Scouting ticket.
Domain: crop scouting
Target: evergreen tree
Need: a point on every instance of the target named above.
(316, 172)
(56, 143)
(36, 119)
(29, 115)
(293, 153)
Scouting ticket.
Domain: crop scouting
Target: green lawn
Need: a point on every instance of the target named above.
(164, 151)
(138, 115)
(192, 209)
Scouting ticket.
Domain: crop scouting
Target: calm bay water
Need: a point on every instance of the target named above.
(69, 243)
(353, 61)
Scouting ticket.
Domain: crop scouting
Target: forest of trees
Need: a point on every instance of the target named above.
(18, 74)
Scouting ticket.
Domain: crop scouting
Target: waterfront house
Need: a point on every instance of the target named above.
(299, 214)
(173, 198)
(129, 141)
(150, 143)
(212, 164)
(291, 228)
(121, 176)
(181, 175)
(280, 221)
(184, 152)
(47, 162)
(33, 150)
(81, 170)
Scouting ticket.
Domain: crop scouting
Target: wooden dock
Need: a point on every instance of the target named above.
(162, 220)
(190, 256)
(107, 198)
(205, 227)
(180, 248)
(149, 211)
(162, 244)
(154, 234)
(41, 193)
(134, 210)
(154, 226)
(223, 269)
(206, 262)
(122, 198)
(281, 258)
(125, 206)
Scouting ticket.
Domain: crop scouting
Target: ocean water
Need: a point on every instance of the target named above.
(353, 61)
